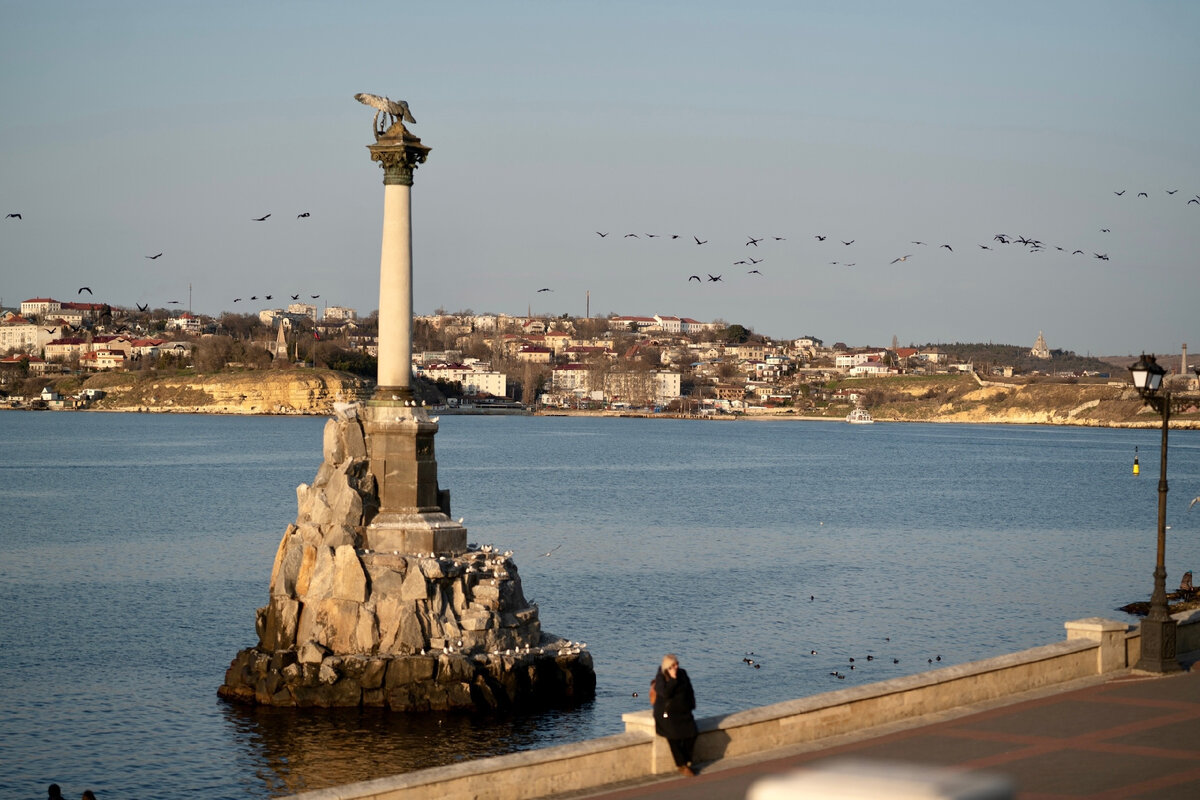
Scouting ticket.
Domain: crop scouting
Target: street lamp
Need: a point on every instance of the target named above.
(1158, 629)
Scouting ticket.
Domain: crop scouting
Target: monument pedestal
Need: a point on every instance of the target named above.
(414, 514)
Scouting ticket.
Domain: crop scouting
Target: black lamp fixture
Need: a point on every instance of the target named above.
(1158, 629)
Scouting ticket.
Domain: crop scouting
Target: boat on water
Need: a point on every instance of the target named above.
(859, 416)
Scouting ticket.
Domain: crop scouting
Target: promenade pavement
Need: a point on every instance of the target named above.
(1131, 736)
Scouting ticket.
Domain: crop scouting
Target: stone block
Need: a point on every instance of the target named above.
(454, 667)
(304, 573)
(337, 535)
(321, 584)
(327, 674)
(405, 671)
(384, 581)
(415, 586)
(285, 584)
(356, 443)
(310, 653)
(373, 673)
(475, 622)
(334, 445)
(341, 628)
(349, 580)
(399, 628)
(283, 615)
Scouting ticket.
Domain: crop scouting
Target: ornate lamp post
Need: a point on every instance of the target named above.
(1158, 629)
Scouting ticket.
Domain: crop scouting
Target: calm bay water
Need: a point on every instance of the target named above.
(135, 548)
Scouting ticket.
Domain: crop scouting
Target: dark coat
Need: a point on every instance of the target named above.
(673, 705)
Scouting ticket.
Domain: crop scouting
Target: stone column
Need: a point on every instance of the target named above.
(399, 153)
(414, 514)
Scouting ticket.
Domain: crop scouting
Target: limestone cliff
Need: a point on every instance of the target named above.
(968, 399)
(293, 391)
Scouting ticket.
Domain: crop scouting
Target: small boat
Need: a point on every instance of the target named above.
(859, 416)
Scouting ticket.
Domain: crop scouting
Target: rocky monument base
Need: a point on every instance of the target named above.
(348, 625)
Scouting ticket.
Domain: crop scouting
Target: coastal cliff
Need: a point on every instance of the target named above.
(969, 399)
(294, 391)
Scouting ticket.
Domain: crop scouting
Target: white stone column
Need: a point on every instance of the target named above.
(395, 292)
(399, 153)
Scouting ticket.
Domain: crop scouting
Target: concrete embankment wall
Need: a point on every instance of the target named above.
(1093, 647)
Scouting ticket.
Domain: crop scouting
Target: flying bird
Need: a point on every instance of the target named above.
(1142, 194)
(848, 243)
(919, 243)
(1101, 256)
(754, 261)
(653, 235)
(601, 235)
(314, 296)
(697, 238)
(268, 296)
(753, 272)
(902, 258)
(305, 215)
(1001, 238)
(985, 247)
(253, 297)
(1106, 230)
(49, 330)
(1170, 191)
(545, 290)
(753, 241)
(295, 297)
(83, 289)
(948, 247)
(173, 303)
(141, 307)
(1078, 253)
(819, 238)
(1118, 194)
(156, 255)
(634, 235)
(1194, 501)
(14, 215)
(237, 299)
(695, 278)
(1195, 200)
(260, 219)
(713, 279)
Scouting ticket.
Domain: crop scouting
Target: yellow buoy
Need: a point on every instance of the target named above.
(1136, 469)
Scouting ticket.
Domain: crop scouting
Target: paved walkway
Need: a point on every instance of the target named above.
(1134, 736)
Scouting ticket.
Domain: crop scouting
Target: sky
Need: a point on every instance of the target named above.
(134, 128)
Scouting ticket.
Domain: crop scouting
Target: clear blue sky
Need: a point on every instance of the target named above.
(130, 128)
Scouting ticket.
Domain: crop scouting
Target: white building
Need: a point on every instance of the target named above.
(185, 322)
(472, 381)
(642, 388)
(305, 309)
(340, 313)
(39, 307)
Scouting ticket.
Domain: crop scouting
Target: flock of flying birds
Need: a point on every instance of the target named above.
(1031, 244)
(143, 308)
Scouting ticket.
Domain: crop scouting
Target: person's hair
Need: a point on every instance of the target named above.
(668, 660)
(87, 795)
(54, 791)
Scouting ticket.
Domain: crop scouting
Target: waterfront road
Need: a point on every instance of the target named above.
(1132, 736)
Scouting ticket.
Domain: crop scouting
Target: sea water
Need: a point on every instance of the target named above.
(134, 550)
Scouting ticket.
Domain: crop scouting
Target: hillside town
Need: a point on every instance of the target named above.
(658, 362)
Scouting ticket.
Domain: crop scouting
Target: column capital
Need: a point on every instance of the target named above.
(399, 153)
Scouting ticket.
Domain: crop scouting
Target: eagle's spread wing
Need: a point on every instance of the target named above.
(396, 109)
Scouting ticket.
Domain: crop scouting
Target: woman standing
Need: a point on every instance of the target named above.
(674, 702)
